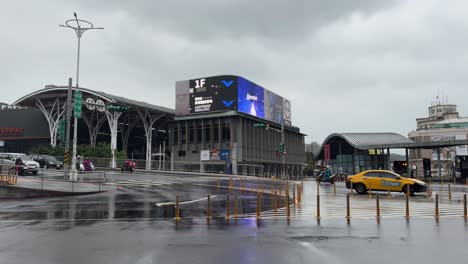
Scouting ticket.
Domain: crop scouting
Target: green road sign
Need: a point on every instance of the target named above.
(61, 129)
(78, 101)
(260, 125)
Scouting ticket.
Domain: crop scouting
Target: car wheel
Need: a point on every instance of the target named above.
(360, 188)
(404, 190)
(46, 166)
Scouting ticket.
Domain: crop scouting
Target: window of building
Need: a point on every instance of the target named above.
(191, 134)
(207, 132)
(183, 134)
(216, 132)
(176, 135)
(199, 133)
(226, 131)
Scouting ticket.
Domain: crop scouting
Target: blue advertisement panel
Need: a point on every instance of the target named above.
(273, 107)
(218, 93)
(250, 98)
(224, 154)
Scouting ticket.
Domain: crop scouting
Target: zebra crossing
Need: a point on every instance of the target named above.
(334, 207)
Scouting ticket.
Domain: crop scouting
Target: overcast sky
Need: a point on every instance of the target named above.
(347, 66)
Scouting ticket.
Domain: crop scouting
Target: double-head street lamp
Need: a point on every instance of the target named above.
(79, 26)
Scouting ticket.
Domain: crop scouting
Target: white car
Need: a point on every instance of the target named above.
(10, 158)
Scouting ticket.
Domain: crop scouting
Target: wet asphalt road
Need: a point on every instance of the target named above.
(127, 226)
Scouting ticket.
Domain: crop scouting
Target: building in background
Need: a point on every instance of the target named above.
(21, 128)
(313, 148)
(214, 128)
(442, 124)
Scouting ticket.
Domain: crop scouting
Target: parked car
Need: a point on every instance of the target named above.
(46, 161)
(10, 159)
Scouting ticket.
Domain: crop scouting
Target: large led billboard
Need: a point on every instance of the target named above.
(228, 92)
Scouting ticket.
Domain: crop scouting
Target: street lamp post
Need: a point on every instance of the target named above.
(79, 30)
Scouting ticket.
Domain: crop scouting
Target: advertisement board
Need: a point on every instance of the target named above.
(250, 98)
(228, 92)
(224, 154)
(273, 107)
(213, 94)
(214, 154)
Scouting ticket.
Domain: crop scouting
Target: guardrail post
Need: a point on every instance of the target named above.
(377, 206)
(177, 216)
(348, 210)
(236, 207)
(208, 208)
(294, 193)
(465, 215)
(275, 202)
(351, 187)
(436, 200)
(334, 188)
(288, 209)
(449, 192)
(228, 207)
(407, 206)
(258, 207)
(318, 207)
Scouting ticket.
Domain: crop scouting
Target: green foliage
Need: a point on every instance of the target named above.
(102, 150)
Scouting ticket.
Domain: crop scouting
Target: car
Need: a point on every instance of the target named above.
(46, 161)
(384, 180)
(10, 159)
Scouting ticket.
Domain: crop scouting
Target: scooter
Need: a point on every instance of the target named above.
(330, 179)
(128, 166)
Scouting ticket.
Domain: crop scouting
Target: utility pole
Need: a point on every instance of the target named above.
(79, 30)
(66, 159)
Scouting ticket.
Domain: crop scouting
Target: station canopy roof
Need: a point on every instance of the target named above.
(365, 141)
(53, 92)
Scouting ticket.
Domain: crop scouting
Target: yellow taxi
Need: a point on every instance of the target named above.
(383, 180)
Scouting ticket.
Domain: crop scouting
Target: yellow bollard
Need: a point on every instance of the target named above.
(294, 194)
(299, 198)
(288, 209)
(348, 210)
(464, 207)
(388, 194)
(208, 208)
(318, 206)
(228, 209)
(275, 202)
(177, 216)
(449, 192)
(407, 206)
(370, 193)
(259, 209)
(428, 192)
(271, 185)
(280, 187)
(236, 207)
(334, 188)
(436, 200)
(377, 205)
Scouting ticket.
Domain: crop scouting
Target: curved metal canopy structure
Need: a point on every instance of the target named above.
(52, 101)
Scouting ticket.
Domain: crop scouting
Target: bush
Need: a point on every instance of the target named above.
(102, 150)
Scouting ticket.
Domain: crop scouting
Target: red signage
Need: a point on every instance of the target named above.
(327, 152)
(9, 132)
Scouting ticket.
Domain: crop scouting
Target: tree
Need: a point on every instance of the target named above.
(310, 164)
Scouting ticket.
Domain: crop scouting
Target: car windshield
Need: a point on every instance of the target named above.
(24, 157)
